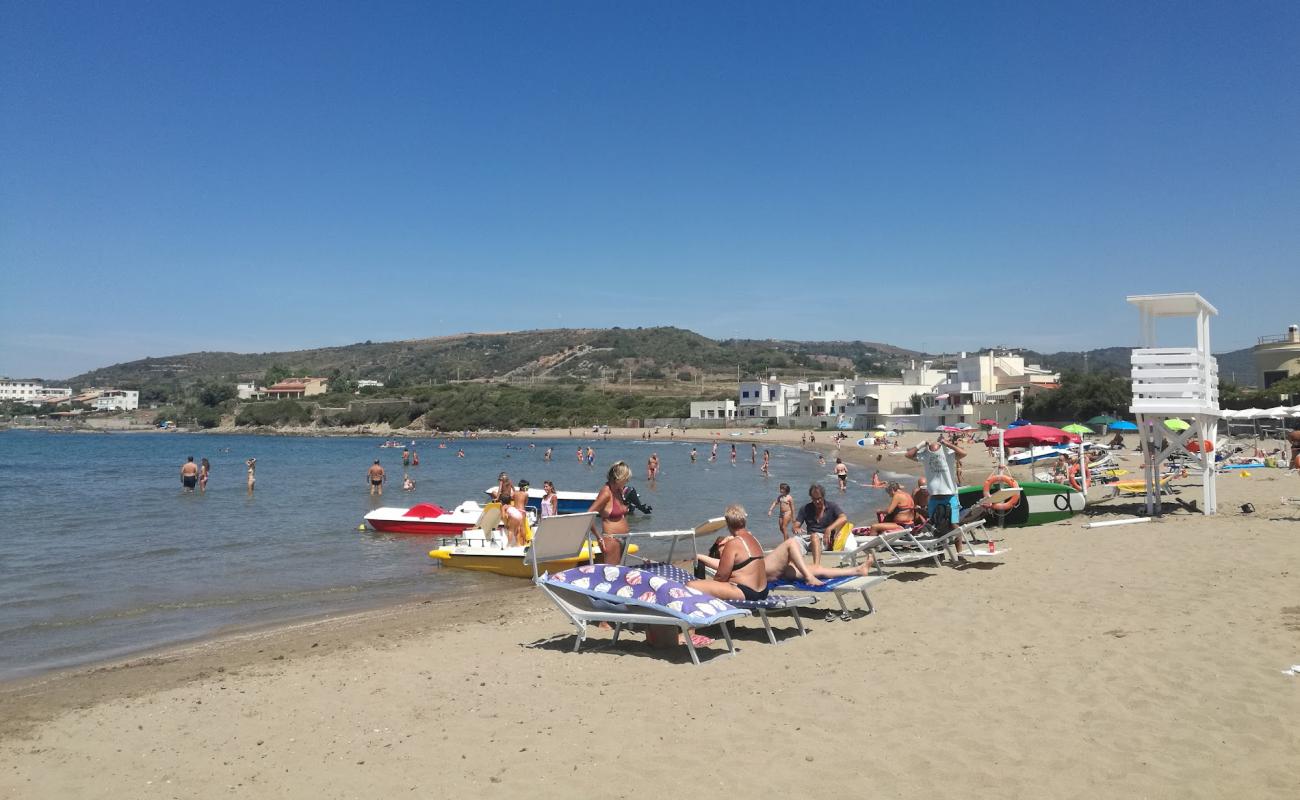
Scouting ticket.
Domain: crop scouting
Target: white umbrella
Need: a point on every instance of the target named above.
(1276, 412)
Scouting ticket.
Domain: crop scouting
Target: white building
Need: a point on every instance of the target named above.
(823, 398)
(767, 399)
(246, 391)
(117, 400)
(717, 410)
(31, 391)
(988, 385)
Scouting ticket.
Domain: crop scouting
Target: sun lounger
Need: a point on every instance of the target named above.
(618, 594)
(771, 604)
(840, 587)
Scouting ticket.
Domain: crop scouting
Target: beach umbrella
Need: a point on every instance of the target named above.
(1019, 423)
(881, 428)
(1176, 424)
(1102, 419)
(992, 423)
(948, 428)
(964, 426)
(1122, 425)
(1077, 428)
(1034, 435)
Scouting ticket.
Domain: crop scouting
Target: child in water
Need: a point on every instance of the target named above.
(784, 502)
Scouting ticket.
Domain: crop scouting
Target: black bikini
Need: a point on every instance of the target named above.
(750, 594)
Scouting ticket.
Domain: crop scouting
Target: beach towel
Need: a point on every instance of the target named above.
(621, 586)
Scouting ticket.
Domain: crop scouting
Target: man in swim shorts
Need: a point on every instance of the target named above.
(376, 477)
(939, 458)
(189, 475)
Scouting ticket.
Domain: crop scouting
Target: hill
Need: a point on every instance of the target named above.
(660, 353)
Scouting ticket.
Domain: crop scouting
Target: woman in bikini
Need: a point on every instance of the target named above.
(741, 573)
(900, 514)
(204, 469)
(515, 516)
(786, 562)
(785, 502)
(550, 500)
(613, 512)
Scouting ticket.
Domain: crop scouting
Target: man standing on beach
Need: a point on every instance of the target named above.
(189, 475)
(376, 477)
(818, 522)
(939, 458)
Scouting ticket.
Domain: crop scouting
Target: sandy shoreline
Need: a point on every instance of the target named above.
(1129, 661)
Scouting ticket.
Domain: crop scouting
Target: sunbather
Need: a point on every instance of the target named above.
(901, 512)
(741, 574)
(786, 562)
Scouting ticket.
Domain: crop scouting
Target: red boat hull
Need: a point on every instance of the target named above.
(415, 526)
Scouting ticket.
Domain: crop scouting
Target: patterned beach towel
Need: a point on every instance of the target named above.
(623, 586)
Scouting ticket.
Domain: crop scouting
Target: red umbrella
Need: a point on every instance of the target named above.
(989, 422)
(1032, 435)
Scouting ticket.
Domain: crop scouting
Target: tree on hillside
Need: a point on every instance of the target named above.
(1081, 397)
(274, 374)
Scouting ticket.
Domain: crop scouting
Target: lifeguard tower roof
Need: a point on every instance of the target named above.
(1178, 304)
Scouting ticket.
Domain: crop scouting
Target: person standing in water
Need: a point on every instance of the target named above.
(694, 454)
(252, 473)
(767, 463)
(204, 469)
(652, 467)
(753, 453)
(733, 455)
(713, 454)
(189, 475)
(785, 502)
(842, 474)
(546, 457)
(375, 475)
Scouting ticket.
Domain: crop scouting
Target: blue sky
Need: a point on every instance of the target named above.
(252, 176)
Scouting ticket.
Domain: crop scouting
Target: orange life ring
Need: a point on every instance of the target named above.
(1195, 446)
(1007, 482)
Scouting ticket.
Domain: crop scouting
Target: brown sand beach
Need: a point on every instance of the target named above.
(1132, 661)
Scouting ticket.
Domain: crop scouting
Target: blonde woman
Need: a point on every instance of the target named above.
(612, 510)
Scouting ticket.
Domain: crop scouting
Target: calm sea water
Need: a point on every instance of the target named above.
(101, 555)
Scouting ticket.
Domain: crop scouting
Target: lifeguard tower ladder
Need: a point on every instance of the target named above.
(1175, 382)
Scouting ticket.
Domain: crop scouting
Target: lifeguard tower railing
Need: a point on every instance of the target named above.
(1174, 381)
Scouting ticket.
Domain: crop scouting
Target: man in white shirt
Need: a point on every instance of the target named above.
(939, 458)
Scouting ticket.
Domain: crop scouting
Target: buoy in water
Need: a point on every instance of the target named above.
(361, 527)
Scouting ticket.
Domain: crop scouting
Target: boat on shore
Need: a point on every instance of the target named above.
(566, 502)
(426, 518)
(1039, 504)
(484, 549)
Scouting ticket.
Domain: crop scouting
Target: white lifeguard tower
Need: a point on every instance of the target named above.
(1175, 382)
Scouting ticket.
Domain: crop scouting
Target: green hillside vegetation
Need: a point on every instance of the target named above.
(665, 355)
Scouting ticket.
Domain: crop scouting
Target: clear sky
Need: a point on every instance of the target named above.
(179, 176)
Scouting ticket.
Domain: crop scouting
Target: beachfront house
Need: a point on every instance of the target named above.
(31, 390)
(769, 399)
(297, 388)
(821, 398)
(247, 391)
(1277, 357)
(713, 410)
(116, 400)
(988, 385)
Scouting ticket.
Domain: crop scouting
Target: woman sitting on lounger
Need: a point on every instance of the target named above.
(741, 574)
(901, 512)
(785, 562)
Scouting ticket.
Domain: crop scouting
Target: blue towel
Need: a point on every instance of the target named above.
(829, 585)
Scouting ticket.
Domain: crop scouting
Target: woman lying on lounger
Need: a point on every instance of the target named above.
(786, 562)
